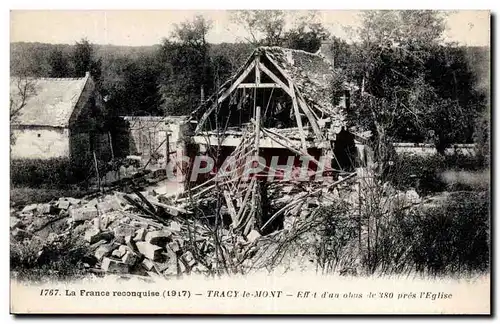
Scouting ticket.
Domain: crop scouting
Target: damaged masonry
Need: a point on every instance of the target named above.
(265, 168)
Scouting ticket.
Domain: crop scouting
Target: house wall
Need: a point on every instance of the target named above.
(40, 143)
(85, 125)
(430, 149)
(147, 135)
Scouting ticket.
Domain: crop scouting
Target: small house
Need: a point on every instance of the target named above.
(57, 119)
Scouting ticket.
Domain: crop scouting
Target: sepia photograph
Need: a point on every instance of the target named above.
(250, 161)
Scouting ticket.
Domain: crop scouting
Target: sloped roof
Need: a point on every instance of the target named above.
(311, 73)
(49, 101)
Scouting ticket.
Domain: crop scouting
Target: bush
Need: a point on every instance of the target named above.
(56, 172)
(35, 260)
(453, 238)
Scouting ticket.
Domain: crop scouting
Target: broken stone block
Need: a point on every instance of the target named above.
(181, 267)
(109, 205)
(413, 197)
(73, 201)
(82, 214)
(171, 270)
(123, 249)
(104, 251)
(130, 258)
(20, 234)
(149, 250)
(14, 222)
(174, 246)
(140, 234)
(198, 268)
(114, 266)
(189, 259)
(130, 244)
(174, 226)
(117, 253)
(92, 203)
(159, 238)
(162, 266)
(94, 235)
(148, 264)
(44, 208)
(30, 208)
(253, 235)
(63, 204)
(124, 230)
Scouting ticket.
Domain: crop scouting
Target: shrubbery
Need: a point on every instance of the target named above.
(448, 239)
(56, 172)
(35, 260)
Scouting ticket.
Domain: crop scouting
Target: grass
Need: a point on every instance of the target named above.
(21, 196)
(473, 180)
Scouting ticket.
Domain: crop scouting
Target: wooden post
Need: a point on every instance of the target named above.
(298, 119)
(256, 201)
(167, 157)
(111, 146)
(97, 171)
(98, 224)
(257, 129)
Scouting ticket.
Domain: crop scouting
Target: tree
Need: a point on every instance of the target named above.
(59, 64)
(85, 61)
(265, 27)
(186, 75)
(269, 28)
(389, 63)
(23, 87)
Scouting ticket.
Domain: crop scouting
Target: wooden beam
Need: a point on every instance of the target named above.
(257, 71)
(305, 196)
(311, 118)
(273, 136)
(260, 85)
(226, 93)
(230, 206)
(304, 107)
(257, 129)
(285, 75)
(298, 118)
(275, 78)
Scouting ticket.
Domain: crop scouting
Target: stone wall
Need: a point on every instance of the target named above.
(147, 136)
(430, 149)
(40, 143)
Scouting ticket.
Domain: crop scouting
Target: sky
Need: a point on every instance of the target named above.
(148, 27)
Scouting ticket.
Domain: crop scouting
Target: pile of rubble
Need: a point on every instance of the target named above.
(154, 234)
(133, 234)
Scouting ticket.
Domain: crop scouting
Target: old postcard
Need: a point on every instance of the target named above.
(250, 162)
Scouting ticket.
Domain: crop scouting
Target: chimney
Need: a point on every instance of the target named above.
(327, 50)
(87, 74)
